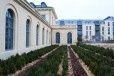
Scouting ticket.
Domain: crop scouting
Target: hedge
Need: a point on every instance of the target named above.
(98, 64)
(15, 63)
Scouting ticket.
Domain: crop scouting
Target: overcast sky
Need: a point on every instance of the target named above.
(80, 9)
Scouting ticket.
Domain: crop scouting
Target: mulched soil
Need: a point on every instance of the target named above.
(77, 68)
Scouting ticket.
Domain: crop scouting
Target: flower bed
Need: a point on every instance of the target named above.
(15, 63)
(98, 64)
(50, 66)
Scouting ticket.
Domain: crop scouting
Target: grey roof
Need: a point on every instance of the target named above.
(109, 17)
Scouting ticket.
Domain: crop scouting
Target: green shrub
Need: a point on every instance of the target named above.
(99, 64)
(15, 63)
(50, 66)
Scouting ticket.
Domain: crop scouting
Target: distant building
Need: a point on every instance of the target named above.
(92, 30)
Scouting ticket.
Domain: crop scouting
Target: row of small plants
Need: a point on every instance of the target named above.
(98, 64)
(65, 64)
(15, 63)
(50, 66)
(105, 52)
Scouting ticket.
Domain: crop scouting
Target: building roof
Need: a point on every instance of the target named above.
(88, 21)
(109, 18)
(43, 5)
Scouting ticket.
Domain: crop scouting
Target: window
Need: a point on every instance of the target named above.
(108, 30)
(43, 36)
(90, 33)
(86, 27)
(108, 23)
(90, 27)
(102, 30)
(9, 30)
(37, 35)
(102, 38)
(62, 23)
(57, 37)
(43, 5)
(27, 33)
(113, 30)
(69, 38)
(79, 27)
(109, 38)
(87, 33)
(102, 33)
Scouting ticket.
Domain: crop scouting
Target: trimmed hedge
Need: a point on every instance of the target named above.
(65, 64)
(98, 64)
(50, 66)
(105, 52)
(15, 63)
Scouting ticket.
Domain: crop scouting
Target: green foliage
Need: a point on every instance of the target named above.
(65, 64)
(15, 63)
(50, 66)
(99, 64)
(105, 52)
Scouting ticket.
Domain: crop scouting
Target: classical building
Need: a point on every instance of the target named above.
(26, 26)
(92, 30)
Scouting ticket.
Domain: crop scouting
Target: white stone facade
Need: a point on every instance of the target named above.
(23, 11)
(64, 30)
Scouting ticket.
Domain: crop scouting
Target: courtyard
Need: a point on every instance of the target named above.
(80, 60)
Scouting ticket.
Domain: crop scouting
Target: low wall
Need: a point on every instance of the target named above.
(6, 54)
(105, 45)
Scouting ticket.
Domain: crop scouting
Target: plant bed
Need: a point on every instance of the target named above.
(50, 66)
(102, 51)
(65, 64)
(99, 65)
(15, 63)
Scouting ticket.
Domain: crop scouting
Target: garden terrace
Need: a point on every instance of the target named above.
(56, 60)
(98, 64)
(15, 63)
(50, 66)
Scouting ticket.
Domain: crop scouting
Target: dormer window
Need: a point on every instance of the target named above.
(43, 5)
(62, 23)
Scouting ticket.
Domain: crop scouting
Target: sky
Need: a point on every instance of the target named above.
(80, 9)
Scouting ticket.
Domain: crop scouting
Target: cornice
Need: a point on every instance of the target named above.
(27, 6)
(50, 8)
(63, 27)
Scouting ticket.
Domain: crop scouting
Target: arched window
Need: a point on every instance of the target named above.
(9, 30)
(57, 37)
(43, 36)
(27, 33)
(69, 38)
(37, 35)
